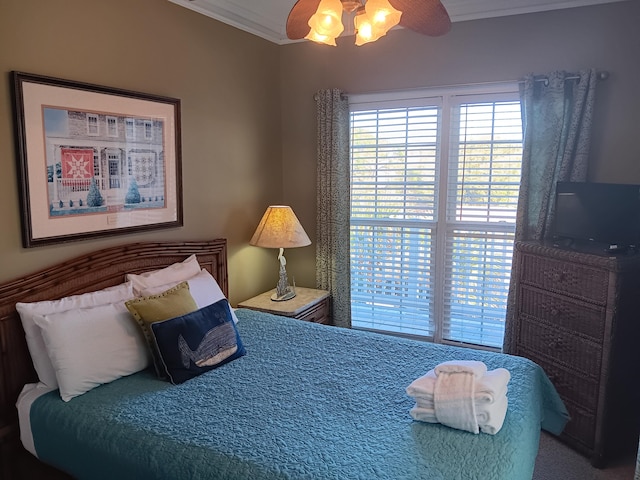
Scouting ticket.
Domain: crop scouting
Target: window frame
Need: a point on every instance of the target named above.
(446, 98)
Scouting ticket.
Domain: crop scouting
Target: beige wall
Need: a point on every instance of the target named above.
(227, 81)
(238, 156)
(606, 37)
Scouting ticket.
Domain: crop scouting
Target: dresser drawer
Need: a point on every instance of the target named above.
(580, 389)
(572, 351)
(575, 316)
(579, 281)
(581, 428)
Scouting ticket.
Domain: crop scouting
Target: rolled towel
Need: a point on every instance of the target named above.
(479, 401)
(490, 386)
(490, 417)
(478, 369)
(423, 386)
(423, 414)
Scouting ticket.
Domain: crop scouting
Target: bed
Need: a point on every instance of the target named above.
(305, 401)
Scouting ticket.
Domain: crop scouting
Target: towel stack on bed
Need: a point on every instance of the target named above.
(463, 395)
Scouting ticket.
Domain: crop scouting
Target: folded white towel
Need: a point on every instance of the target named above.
(462, 394)
(490, 417)
(423, 386)
(478, 369)
(490, 386)
(453, 400)
(423, 414)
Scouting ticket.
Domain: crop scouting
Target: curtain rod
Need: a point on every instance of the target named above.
(600, 75)
(343, 96)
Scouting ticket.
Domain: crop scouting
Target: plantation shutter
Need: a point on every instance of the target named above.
(393, 181)
(434, 186)
(482, 194)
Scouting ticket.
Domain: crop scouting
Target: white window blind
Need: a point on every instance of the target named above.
(434, 190)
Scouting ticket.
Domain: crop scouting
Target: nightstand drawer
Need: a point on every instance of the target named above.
(579, 281)
(317, 314)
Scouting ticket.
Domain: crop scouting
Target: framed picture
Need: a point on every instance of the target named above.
(94, 161)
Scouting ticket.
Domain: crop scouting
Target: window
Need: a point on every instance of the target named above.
(96, 164)
(112, 126)
(92, 124)
(434, 189)
(130, 129)
(113, 160)
(148, 129)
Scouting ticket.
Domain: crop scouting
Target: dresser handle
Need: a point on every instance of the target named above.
(559, 276)
(555, 343)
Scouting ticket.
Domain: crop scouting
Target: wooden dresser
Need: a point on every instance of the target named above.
(578, 316)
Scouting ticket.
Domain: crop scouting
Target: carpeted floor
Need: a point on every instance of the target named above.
(556, 461)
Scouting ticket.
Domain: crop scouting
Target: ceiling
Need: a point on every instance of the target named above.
(267, 18)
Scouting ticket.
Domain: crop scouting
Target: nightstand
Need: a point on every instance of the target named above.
(309, 304)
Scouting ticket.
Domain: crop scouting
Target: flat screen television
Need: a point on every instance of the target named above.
(597, 215)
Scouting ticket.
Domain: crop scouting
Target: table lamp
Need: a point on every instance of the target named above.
(280, 228)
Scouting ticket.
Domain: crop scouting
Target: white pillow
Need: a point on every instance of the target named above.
(175, 273)
(92, 346)
(203, 288)
(35, 343)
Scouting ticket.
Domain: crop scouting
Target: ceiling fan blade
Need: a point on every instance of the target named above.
(428, 17)
(302, 11)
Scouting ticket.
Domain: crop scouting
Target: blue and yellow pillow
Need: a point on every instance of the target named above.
(171, 303)
(197, 342)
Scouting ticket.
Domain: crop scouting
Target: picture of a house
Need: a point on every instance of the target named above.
(99, 162)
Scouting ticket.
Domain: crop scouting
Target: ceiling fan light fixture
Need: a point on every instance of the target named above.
(326, 23)
(316, 37)
(364, 29)
(375, 20)
(382, 15)
(426, 17)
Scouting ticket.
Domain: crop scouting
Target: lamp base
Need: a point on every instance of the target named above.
(288, 295)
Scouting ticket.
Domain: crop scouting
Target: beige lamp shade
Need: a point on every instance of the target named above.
(279, 228)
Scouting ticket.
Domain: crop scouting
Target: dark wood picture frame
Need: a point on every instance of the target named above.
(94, 161)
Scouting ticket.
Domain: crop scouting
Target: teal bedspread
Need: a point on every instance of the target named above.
(307, 402)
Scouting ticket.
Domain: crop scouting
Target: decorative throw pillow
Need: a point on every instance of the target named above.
(92, 346)
(33, 334)
(203, 288)
(174, 273)
(198, 341)
(154, 308)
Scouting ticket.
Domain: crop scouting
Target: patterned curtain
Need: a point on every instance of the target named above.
(333, 203)
(557, 111)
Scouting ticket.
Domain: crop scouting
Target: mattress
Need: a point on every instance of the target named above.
(308, 401)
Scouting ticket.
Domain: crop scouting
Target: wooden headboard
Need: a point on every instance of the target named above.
(87, 273)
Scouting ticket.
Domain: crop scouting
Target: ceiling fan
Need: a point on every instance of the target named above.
(321, 20)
